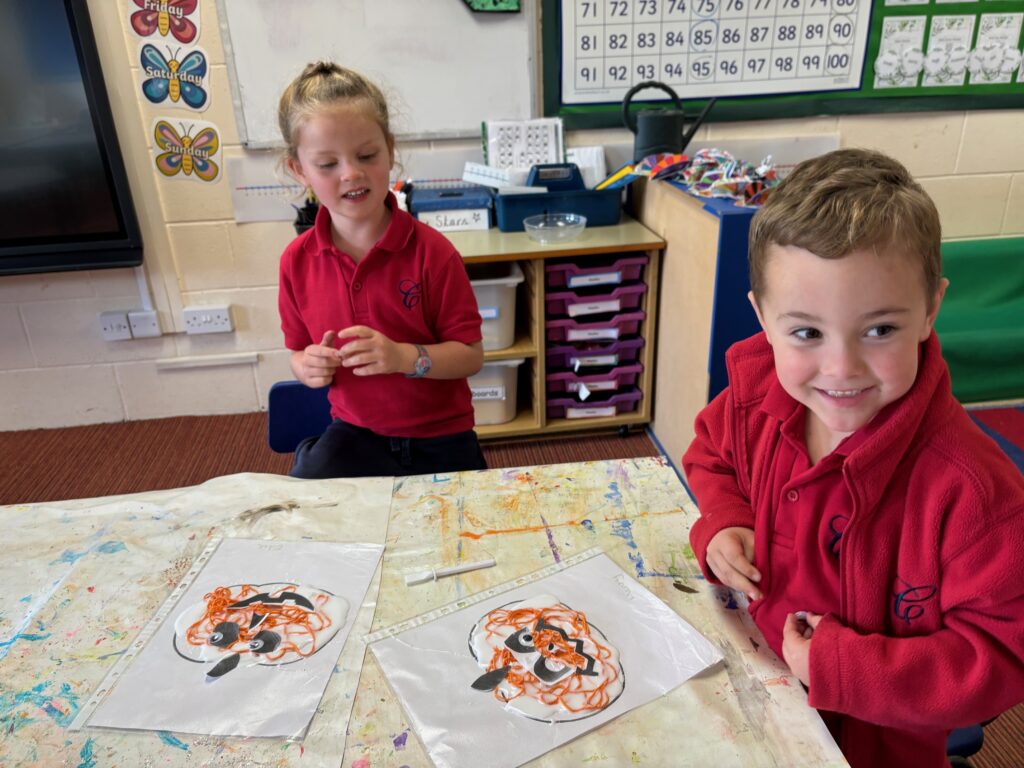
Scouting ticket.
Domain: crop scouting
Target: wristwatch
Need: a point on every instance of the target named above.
(422, 363)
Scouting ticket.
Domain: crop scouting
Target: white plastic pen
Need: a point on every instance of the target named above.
(434, 574)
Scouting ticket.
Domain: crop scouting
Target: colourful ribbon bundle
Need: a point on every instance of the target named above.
(716, 173)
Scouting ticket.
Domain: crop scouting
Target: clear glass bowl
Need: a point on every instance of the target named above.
(548, 228)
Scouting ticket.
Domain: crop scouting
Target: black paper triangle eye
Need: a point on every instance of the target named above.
(491, 680)
(265, 642)
(224, 666)
(224, 634)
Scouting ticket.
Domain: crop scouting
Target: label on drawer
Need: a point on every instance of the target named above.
(589, 413)
(488, 393)
(594, 386)
(613, 305)
(583, 334)
(603, 278)
(489, 313)
(576, 362)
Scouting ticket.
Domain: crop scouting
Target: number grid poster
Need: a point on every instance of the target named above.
(782, 58)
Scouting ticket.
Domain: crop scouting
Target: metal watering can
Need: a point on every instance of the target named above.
(659, 130)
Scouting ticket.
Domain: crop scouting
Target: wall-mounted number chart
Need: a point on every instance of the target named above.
(782, 58)
(704, 48)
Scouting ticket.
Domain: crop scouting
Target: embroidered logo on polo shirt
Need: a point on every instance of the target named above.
(411, 293)
(908, 603)
(837, 527)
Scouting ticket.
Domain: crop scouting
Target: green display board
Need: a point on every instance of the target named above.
(767, 59)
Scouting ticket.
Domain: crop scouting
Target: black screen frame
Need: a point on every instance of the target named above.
(122, 250)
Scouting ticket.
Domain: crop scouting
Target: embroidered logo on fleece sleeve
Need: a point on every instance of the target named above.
(909, 603)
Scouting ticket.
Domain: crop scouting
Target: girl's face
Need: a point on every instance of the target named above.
(344, 156)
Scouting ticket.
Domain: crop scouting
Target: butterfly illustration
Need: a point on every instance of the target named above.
(164, 16)
(185, 153)
(179, 80)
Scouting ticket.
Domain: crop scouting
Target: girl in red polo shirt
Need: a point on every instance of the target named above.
(373, 303)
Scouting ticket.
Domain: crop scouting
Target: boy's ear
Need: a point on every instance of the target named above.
(757, 311)
(933, 309)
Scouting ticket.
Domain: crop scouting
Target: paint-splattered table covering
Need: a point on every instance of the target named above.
(82, 578)
(747, 712)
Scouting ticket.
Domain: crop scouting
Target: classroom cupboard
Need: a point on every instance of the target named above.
(541, 313)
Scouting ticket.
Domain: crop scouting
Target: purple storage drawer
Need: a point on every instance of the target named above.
(578, 356)
(575, 275)
(601, 330)
(606, 381)
(573, 304)
(596, 406)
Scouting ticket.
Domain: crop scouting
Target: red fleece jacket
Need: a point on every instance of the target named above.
(928, 634)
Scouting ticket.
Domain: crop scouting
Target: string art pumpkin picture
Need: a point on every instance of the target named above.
(545, 661)
(263, 624)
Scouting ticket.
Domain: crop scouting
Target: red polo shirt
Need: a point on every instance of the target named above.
(412, 287)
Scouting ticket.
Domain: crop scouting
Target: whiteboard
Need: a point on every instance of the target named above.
(443, 67)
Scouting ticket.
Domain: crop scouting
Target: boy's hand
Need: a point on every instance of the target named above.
(730, 558)
(796, 643)
(372, 353)
(319, 362)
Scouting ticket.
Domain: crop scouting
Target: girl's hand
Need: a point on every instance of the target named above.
(319, 362)
(796, 643)
(372, 353)
(730, 558)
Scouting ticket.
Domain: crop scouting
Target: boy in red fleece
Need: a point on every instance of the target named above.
(875, 529)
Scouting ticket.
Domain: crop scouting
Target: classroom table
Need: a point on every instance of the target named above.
(82, 578)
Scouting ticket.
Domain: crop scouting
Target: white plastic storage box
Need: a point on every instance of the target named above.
(495, 289)
(494, 391)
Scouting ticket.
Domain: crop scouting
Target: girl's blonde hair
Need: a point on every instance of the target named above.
(844, 201)
(323, 86)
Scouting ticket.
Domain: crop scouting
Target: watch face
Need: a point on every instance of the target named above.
(422, 364)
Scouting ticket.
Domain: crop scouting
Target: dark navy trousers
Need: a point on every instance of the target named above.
(345, 450)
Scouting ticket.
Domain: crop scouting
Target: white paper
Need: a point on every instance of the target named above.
(643, 650)
(949, 42)
(168, 687)
(521, 144)
(457, 220)
(995, 56)
(900, 56)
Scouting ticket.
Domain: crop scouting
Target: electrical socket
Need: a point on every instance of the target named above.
(144, 323)
(114, 325)
(207, 319)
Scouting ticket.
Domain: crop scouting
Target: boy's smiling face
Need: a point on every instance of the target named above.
(845, 332)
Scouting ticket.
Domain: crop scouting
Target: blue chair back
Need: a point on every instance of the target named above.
(295, 412)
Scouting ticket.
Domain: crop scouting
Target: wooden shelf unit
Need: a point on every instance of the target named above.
(704, 270)
(492, 245)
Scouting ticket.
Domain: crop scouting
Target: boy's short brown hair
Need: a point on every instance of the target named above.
(845, 201)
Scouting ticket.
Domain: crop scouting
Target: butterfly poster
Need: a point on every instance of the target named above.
(187, 149)
(175, 78)
(176, 21)
(250, 645)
